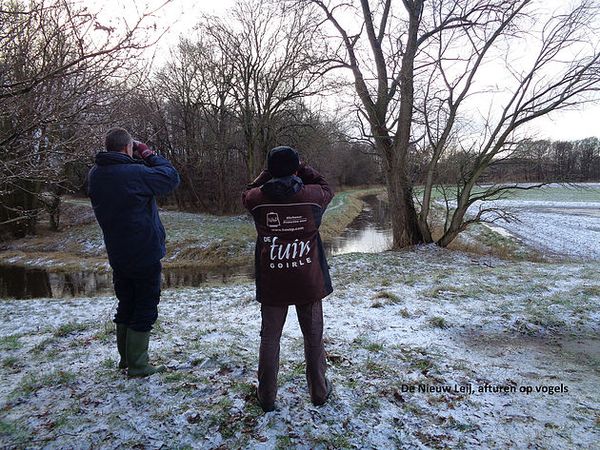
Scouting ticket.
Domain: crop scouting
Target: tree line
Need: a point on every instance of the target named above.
(369, 92)
(215, 107)
(542, 161)
(532, 161)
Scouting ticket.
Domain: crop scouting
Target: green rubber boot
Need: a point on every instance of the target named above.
(137, 355)
(122, 344)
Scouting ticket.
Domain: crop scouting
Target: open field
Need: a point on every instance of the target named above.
(426, 317)
(560, 192)
(559, 222)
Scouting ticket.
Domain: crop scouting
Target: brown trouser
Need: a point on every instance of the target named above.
(310, 318)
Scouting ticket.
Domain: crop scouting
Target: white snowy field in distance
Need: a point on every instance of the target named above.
(560, 220)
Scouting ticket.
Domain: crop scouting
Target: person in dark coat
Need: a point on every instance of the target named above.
(122, 186)
(287, 202)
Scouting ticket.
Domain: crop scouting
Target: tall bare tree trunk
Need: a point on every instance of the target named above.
(405, 222)
(405, 226)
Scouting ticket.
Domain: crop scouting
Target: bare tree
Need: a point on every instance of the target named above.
(416, 66)
(200, 126)
(63, 73)
(230, 91)
(275, 53)
(559, 70)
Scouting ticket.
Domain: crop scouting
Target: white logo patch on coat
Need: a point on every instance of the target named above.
(273, 220)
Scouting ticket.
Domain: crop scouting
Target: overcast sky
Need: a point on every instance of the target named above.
(181, 16)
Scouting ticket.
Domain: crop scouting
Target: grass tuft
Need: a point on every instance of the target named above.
(10, 362)
(438, 322)
(33, 382)
(69, 328)
(383, 298)
(374, 347)
(11, 342)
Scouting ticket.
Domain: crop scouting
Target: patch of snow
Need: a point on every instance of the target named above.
(501, 231)
(556, 229)
(504, 323)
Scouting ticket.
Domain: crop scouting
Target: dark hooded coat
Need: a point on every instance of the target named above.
(291, 267)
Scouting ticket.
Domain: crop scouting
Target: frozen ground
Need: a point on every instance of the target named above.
(427, 317)
(557, 229)
(558, 221)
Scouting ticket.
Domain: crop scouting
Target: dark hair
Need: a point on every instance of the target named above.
(116, 139)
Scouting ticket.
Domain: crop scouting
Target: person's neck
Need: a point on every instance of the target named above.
(123, 152)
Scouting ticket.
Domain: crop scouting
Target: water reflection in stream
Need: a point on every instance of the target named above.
(370, 232)
(22, 283)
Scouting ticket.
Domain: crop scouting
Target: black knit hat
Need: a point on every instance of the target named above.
(282, 161)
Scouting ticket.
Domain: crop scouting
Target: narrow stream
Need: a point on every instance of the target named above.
(370, 232)
(22, 283)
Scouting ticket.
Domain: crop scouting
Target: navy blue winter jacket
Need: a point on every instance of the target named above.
(122, 190)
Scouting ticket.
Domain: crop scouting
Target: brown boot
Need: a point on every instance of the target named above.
(265, 407)
(329, 391)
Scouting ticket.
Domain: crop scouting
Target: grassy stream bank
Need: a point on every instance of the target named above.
(200, 240)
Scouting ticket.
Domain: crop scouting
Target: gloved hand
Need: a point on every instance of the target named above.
(141, 150)
(304, 170)
(308, 175)
(260, 180)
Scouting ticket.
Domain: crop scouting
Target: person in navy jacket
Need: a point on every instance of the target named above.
(122, 186)
(287, 202)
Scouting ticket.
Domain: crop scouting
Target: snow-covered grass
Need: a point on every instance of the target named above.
(191, 238)
(558, 231)
(396, 320)
(558, 221)
(571, 192)
(562, 192)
